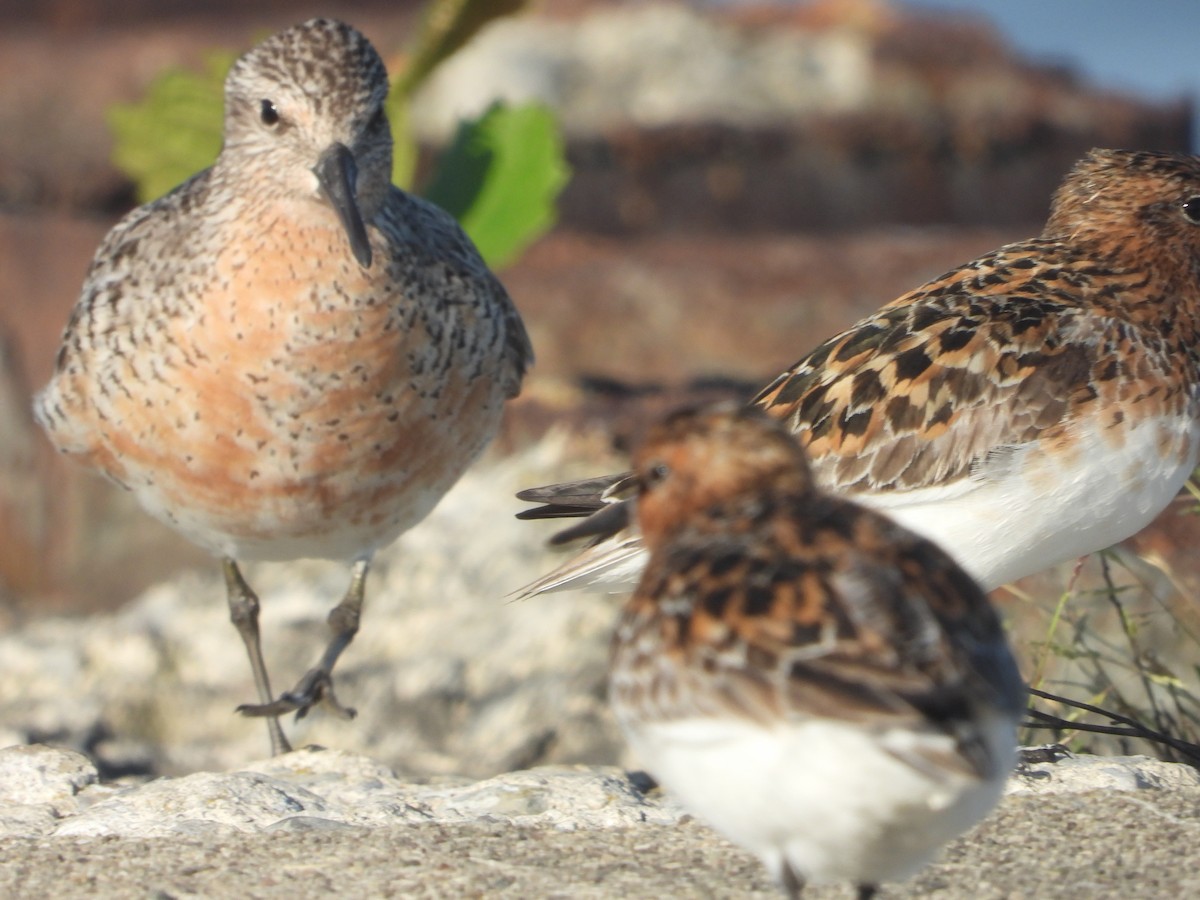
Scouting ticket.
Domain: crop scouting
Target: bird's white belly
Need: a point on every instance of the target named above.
(829, 797)
(1040, 509)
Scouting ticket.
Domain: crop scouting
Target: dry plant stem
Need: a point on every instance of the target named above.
(1127, 727)
(1128, 629)
(1043, 656)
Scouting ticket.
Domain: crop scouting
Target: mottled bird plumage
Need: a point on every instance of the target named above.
(286, 356)
(771, 613)
(231, 362)
(1033, 405)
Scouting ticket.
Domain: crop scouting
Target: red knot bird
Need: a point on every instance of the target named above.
(824, 687)
(286, 356)
(1027, 408)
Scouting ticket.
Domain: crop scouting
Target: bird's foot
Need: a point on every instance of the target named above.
(1027, 757)
(314, 689)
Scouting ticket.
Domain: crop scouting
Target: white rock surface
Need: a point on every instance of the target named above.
(52, 791)
(33, 775)
(56, 792)
(39, 786)
(1078, 774)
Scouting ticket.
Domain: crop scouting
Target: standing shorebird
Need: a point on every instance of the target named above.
(287, 356)
(827, 689)
(1029, 407)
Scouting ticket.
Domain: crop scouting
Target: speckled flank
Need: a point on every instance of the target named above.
(1037, 403)
(234, 365)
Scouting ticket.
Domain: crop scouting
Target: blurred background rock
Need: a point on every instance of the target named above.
(748, 178)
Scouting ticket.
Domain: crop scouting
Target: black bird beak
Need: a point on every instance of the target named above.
(337, 174)
(603, 523)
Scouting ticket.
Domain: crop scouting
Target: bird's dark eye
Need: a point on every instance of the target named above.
(379, 120)
(1191, 209)
(270, 115)
(655, 474)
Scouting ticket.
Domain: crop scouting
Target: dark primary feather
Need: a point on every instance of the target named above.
(606, 522)
(572, 498)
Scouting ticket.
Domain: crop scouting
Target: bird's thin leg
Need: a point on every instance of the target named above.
(791, 881)
(243, 612)
(317, 684)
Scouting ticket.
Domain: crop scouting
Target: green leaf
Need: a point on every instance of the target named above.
(175, 131)
(501, 177)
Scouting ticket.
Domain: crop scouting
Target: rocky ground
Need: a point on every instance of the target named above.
(317, 822)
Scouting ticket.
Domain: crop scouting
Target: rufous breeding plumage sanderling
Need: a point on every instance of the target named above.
(287, 356)
(1029, 407)
(824, 687)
